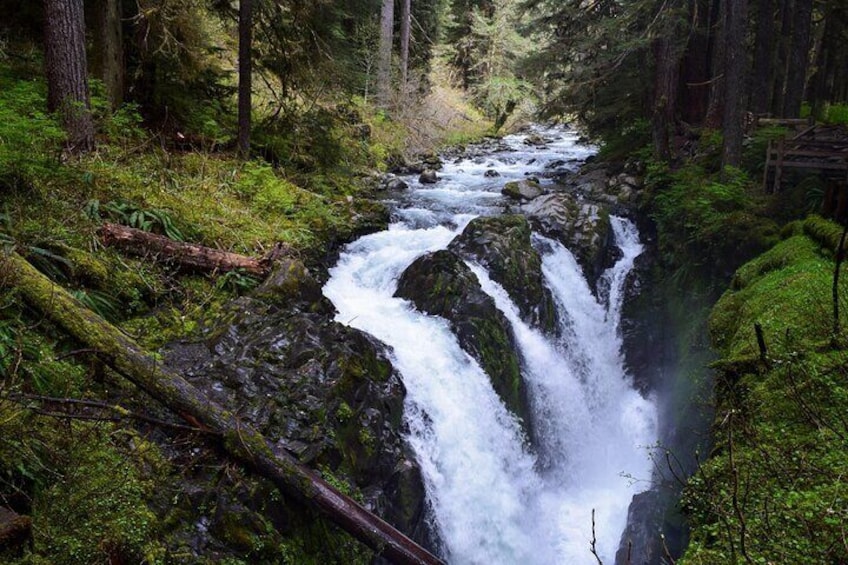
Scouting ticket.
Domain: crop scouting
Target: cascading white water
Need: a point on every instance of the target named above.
(495, 499)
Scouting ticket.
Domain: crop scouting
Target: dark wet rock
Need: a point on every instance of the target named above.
(441, 284)
(536, 140)
(502, 245)
(429, 176)
(491, 173)
(324, 392)
(431, 160)
(582, 226)
(292, 285)
(395, 184)
(643, 334)
(640, 542)
(526, 189)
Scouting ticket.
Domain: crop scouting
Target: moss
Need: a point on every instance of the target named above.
(786, 290)
(95, 509)
(826, 233)
(779, 427)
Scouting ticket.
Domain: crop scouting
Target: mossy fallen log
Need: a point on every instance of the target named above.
(240, 440)
(188, 256)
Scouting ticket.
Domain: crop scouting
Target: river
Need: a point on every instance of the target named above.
(497, 497)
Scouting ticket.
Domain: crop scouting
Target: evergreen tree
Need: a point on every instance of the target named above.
(67, 68)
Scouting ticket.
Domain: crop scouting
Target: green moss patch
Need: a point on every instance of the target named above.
(774, 489)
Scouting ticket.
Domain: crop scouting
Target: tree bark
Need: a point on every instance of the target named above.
(799, 56)
(105, 19)
(715, 109)
(245, 87)
(779, 84)
(763, 73)
(239, 439)
(66, 68)
(187, 255)
(695, 68)
(405, 21)
(667, 53)
(384, 59)
(734, 82)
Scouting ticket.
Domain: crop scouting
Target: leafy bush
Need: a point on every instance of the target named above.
(712, 224)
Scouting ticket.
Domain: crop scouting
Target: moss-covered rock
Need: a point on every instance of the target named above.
(525, 189)
(773, 485)
(582, 226)
(502, 245)
(441, 284)
(318, 389)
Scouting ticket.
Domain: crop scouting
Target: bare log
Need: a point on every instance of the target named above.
(187, 255)
(240, 440)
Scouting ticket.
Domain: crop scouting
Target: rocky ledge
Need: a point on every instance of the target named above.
(324, 392)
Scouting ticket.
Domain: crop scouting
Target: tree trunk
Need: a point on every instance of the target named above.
(695, 68)
(105, 19)
(187, 255)
(245, 63)
(735, 66)
(405, 21)
(667, 54)
(779, 84)
(66, 66)
(763, 72)
(715, 108)
(799, 57)
(384, 59)
(239, 439)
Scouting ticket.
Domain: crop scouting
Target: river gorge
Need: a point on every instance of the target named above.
(534, 467)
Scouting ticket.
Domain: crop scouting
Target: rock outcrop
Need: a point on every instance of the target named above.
(525, 189)
(502, 245)
(582, 226)
(441, 284)
(320, 390)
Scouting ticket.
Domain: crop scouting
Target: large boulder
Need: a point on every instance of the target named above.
(441, 284)
(502, 245)
(324, 392)
(525, 189)
(429, 176)
(582, 226)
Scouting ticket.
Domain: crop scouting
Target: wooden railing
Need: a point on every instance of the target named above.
(823, 149)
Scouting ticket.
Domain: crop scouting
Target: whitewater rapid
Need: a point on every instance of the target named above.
(497, 496)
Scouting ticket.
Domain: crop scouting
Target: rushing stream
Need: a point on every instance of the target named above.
(494, 497)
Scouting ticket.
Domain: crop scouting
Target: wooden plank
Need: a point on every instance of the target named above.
(814, 165)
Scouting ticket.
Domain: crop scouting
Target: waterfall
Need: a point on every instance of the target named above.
(497, 498)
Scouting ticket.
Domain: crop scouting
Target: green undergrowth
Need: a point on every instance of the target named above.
(708, 222)
(774, 488)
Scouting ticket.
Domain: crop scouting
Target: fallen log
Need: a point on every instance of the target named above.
(187, 255)
(240, 440)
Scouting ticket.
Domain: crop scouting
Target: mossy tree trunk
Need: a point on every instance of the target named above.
(67, 68)
(240, 440)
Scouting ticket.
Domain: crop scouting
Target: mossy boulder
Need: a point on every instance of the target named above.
(583, 226)
(525, 189)
(324, 392)
(441, 284)
(502, 245)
